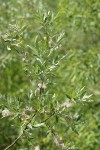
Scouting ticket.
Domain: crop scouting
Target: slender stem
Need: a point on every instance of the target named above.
(15, 141)
(25, 129)
(49, 117)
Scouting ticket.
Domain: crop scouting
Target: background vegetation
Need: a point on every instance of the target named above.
(49, 74)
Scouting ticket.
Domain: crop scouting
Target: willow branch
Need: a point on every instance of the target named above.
(15, 141)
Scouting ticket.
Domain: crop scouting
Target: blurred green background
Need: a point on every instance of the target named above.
(57, 43)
